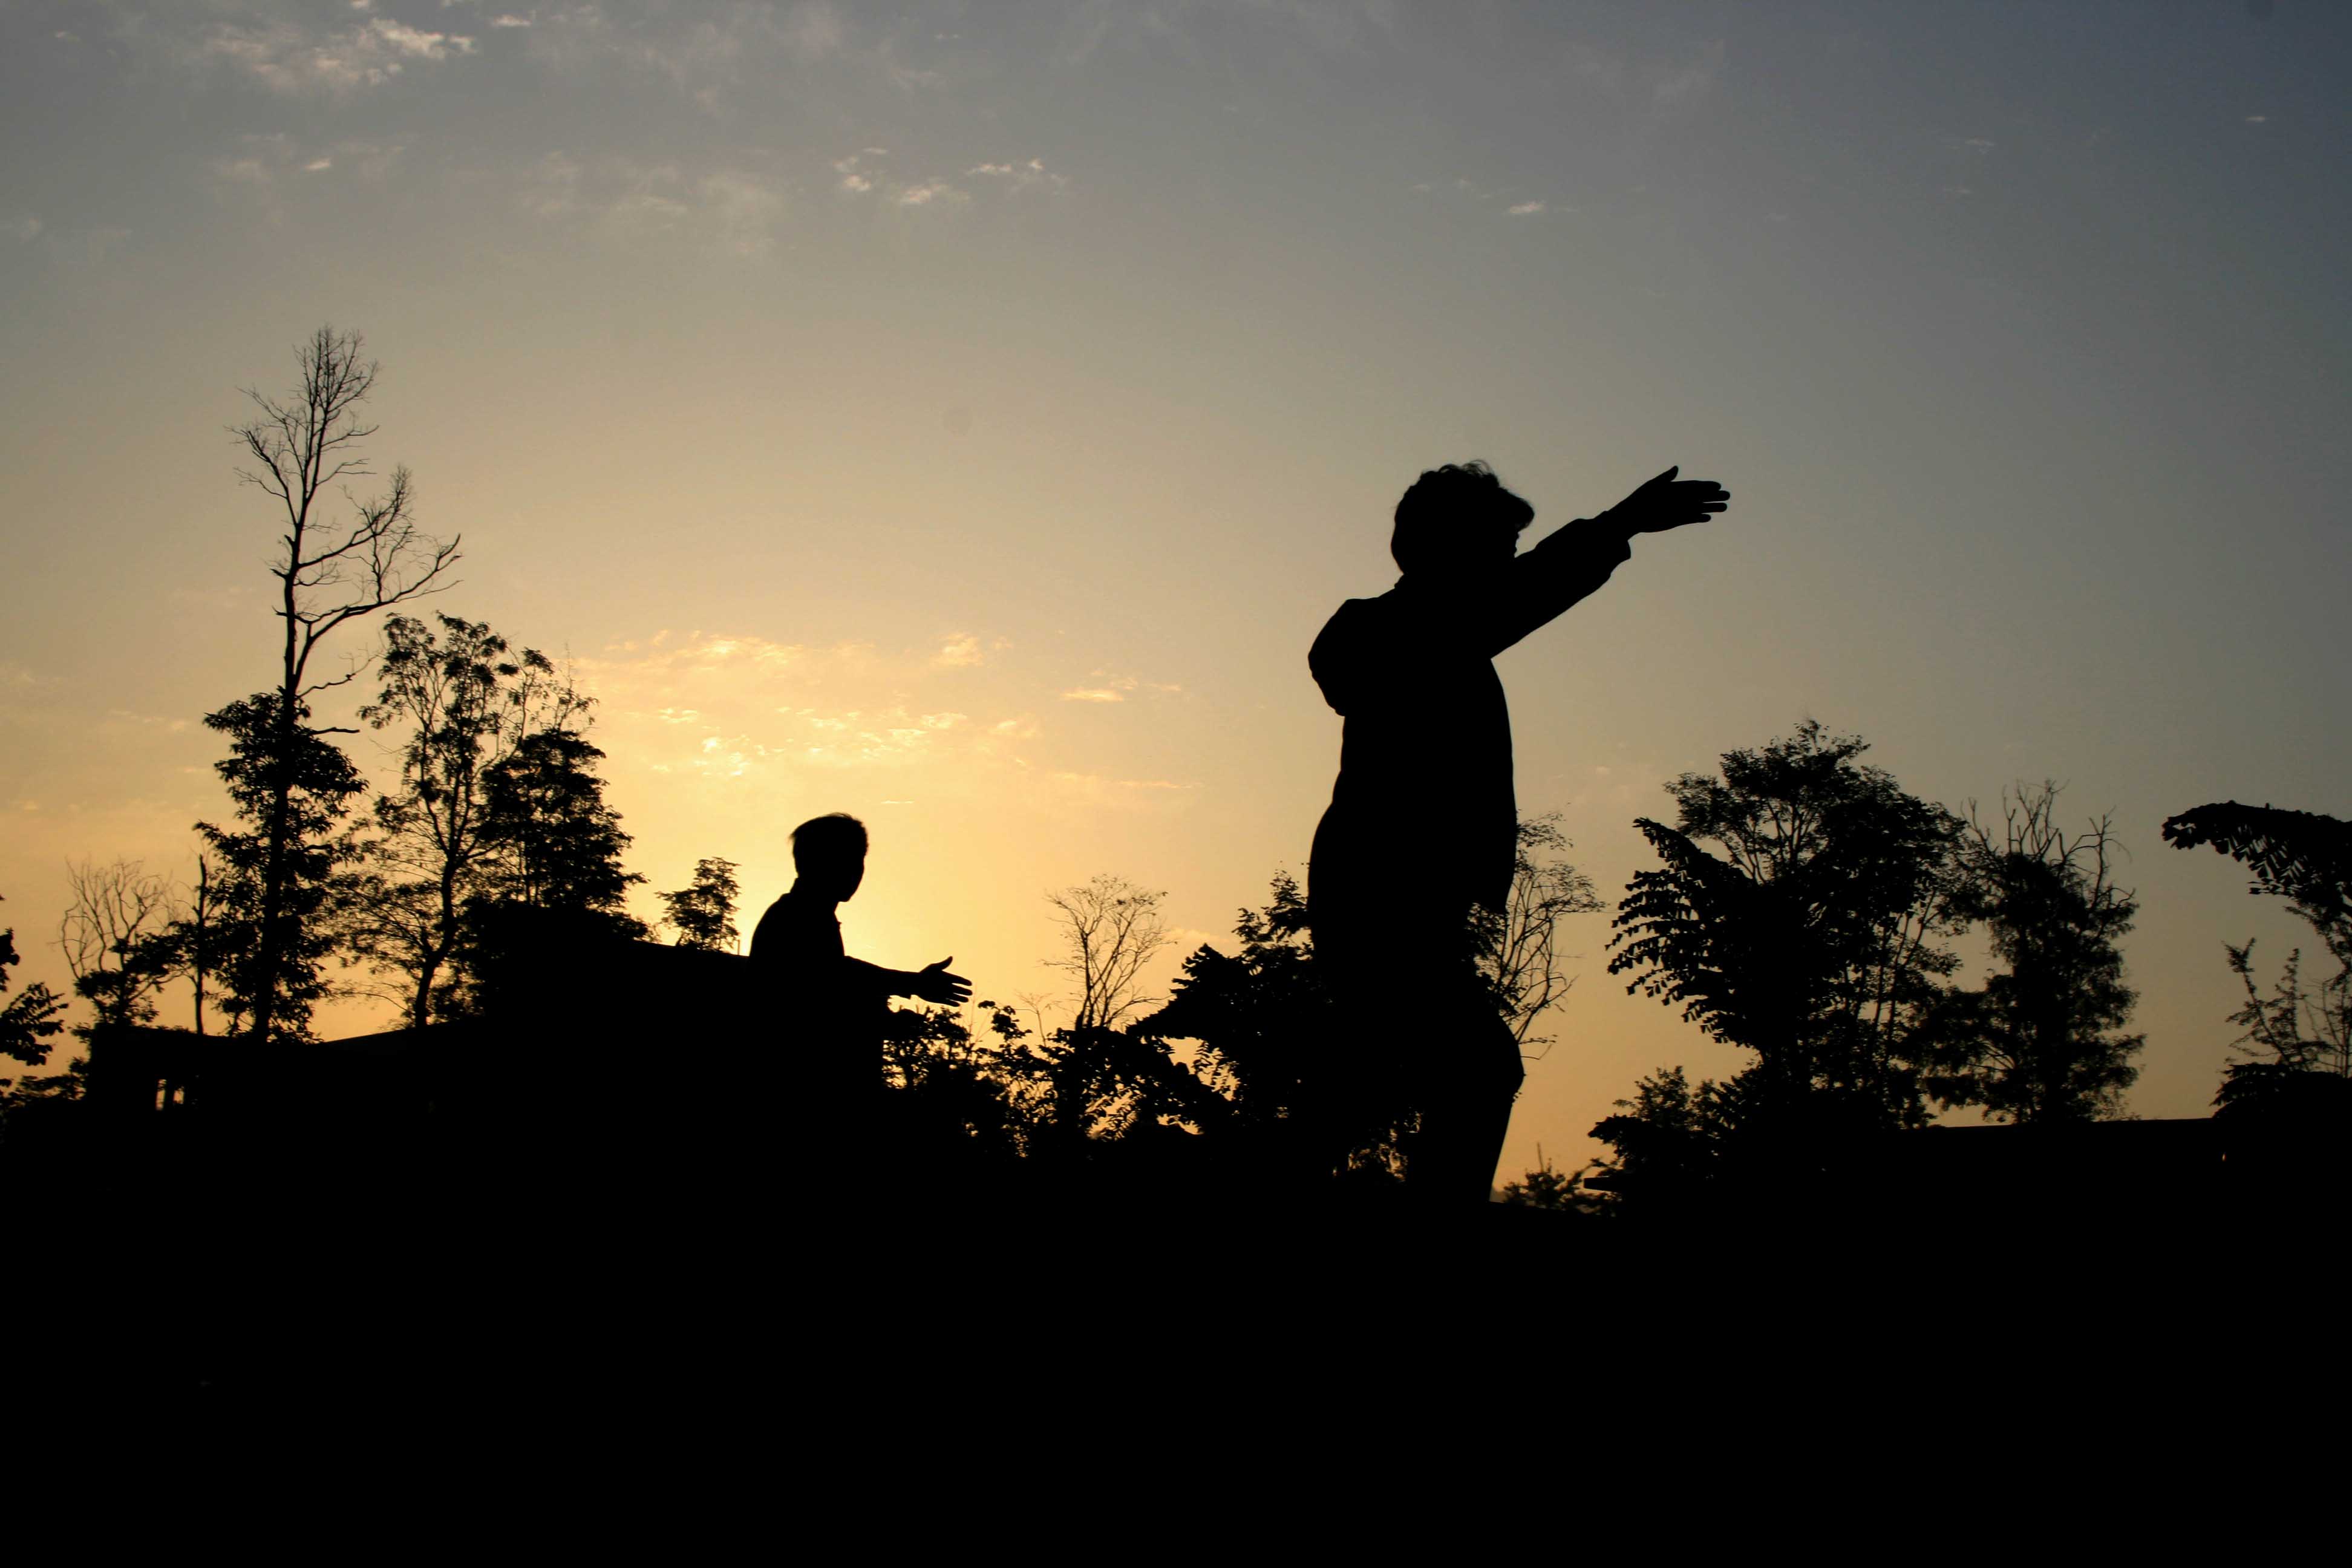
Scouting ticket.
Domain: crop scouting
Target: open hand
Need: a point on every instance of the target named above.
(936, 982)
(1667, 502)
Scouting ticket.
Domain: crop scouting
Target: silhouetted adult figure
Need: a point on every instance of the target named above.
(1423, 826)
(832, 1003)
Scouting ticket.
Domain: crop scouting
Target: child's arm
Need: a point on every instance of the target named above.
(933, 983)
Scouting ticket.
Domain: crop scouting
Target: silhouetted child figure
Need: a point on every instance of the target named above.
(1423, 826)
(833, 1003)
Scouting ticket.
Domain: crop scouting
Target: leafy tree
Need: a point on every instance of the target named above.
(703, 912)
(2301, 856)
(465, 707)
(1262, 1018)
(1812, 938)
(1549, 1188)
(301, 445)
(2298, 1028)
(277, 878)
(1268, 1029)
(31, 1018)
(1260, 1022)
(554, 844)
(1669, 1140)
(984, 1092)
(2039, 1041)
(2305, 858)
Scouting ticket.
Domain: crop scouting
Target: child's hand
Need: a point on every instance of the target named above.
(936, 984)
(1667, 502)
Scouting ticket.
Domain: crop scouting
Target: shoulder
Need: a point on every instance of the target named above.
(1352, 622)
(1349, 648)
(783, 923)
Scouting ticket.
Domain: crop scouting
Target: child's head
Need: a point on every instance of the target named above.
(829, 853)
(1458, 519)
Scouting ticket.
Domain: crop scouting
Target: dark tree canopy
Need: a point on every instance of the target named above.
(31, 1019)
(1667, 1141)
(554, 842)
(2303, 1027)
(2041, 1040)
(1261, 1015)
(2300, 855)
(1812, 937)
(461, 704)
(703, 912)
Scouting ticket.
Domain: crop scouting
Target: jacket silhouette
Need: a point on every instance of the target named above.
(1422, 830)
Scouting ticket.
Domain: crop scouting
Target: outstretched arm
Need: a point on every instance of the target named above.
(1667, 502)
(1578, 556)
(934, 982)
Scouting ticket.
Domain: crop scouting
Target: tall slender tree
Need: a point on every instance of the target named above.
(302, 446)
(277, 867)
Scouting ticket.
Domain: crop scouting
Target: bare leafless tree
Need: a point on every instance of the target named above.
(1521, 947)
(301, 445)
(111, 933)
(1111, 930)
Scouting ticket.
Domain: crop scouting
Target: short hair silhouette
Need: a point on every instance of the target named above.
(1446, 503)
(830, 840)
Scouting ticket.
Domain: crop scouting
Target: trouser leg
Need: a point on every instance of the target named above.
(1465, 1113)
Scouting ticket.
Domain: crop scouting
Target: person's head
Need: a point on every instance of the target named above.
(1457, 520)
(829, 854)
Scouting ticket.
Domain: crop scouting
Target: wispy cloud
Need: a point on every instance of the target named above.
(923, 193)
(418, 44)
(742, 208)
(1117, 687)
(738, 707)
(1073, 787)
(706, 52)
(959, 652)
(1030, 174)
(1464, 186)
(1683, 85)
(863, 172)
(726, 211)
(299, 54)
